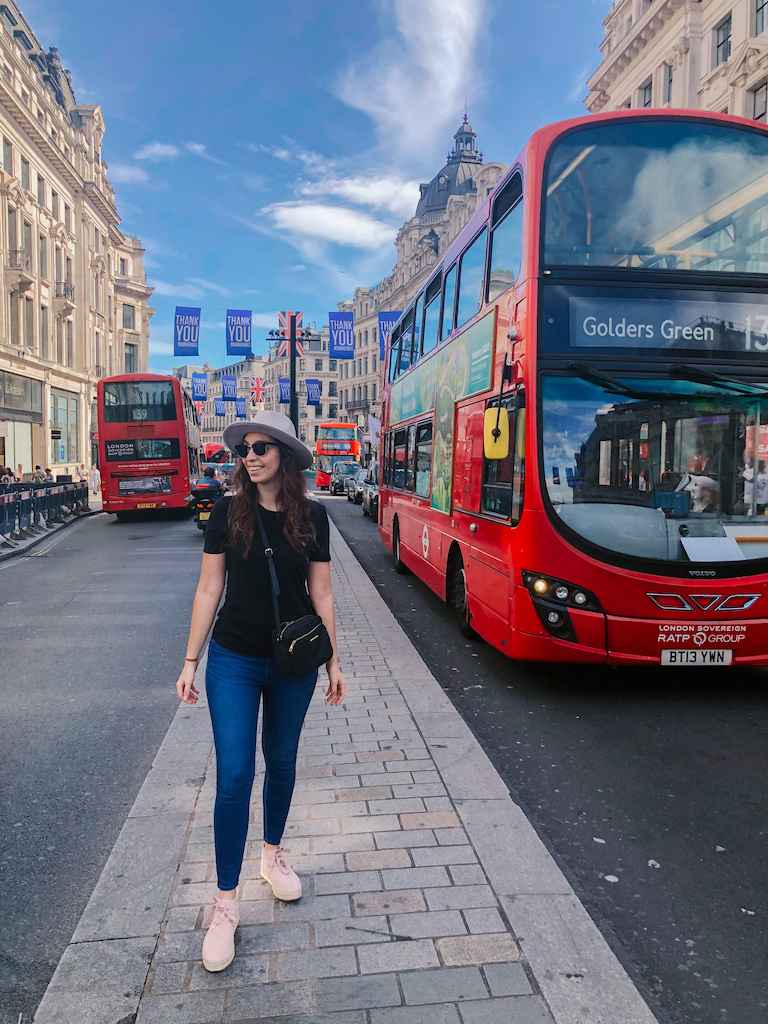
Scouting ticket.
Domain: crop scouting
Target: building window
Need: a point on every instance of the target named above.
(365, 364)
(28, 243)
(373, 390)
(723, 41)
(41, 190)
(29, 323)
(668, 81)
(318, 364)
(64, 416)
(43, 256)
(333, 411)
(96, 239)
(44, 332)
(70, 344)
(646, 94)
(130, 359)
(760, 102)
(128, 316)
(55, 205)
(67, 217)
(761, 16)
(123, 268)
(7, 156)
(332, 365)
(24, 173)
(332, 385)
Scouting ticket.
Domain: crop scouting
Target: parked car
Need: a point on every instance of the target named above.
(340, 474)
(355, 486)
(371, 492)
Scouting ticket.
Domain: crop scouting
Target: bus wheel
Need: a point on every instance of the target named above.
(459, 599)
(400, 566)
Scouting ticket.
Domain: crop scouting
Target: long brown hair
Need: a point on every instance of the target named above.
(292, 498)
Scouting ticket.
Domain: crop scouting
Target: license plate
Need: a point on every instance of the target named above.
(203, 516)
(702, 656)
(148, 504)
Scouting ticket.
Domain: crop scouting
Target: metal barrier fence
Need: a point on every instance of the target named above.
(27, 505)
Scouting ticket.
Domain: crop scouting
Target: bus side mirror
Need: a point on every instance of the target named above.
(496, 434)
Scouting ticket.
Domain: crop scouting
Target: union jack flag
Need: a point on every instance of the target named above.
(258, 390)
(199, 406)
(285, 331)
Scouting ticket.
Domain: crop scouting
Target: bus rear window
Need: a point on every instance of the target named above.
(659, 195)
(138, 401)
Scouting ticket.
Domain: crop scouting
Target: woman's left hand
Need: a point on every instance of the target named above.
(337, 685)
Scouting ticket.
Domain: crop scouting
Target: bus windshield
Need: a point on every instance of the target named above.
(659, 195)
(336, 433)
(138, 401)
(681, 475)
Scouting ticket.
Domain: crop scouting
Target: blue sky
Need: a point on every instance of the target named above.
(266, 153)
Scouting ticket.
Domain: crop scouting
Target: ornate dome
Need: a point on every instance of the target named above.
(455, 179)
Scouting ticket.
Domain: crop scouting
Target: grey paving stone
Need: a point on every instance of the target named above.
(392, 778)
(371, 823)
(507, 979)
(315, 908)
(451, 836)
(421, 878)
(429, 925)
(343, 844)
(359, 769)
(243, 971)
(351, 932)
(467, 874)
(377, 859)
(404, 901)
(397, 956)
(484, 919)
(515, 1010)
(185, 1008)
(347, 809)
(443, 855)
(169, 978)
(277, 999)
(438, 803)
(343, 1017)
(354, 993)
(349, 881)
(182, 919)
(395, 806)
(371, 793)
(449, 984)
(421, 789)
(319, 827)
(460, 897)
(478, 949)
(391, 840)
(330, 962)
(438, 1013)
(272, 937)
(194, 894)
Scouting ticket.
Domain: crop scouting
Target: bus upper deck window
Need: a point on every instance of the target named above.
(506, 239)
(471, 280)
(431, 315)
(449, 296)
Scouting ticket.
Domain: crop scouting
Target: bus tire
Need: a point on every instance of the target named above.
(458, 596)
(400, 566)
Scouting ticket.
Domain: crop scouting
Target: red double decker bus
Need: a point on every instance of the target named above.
(336, 442)
(575, 422)
(149, 443)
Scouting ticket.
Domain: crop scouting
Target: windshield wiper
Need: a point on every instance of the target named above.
(699, 375)
(615, 386)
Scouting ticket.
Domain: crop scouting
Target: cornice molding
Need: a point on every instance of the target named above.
(642, 33)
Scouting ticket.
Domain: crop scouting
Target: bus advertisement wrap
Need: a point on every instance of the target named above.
(461, 369)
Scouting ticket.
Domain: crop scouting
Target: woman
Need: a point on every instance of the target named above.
(241, 670)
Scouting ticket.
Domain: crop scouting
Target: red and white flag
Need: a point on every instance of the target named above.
(285, 331)
(258, 390)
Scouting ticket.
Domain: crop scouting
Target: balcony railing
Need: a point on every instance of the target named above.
(65, 290)
(101, 371)
(20, 259)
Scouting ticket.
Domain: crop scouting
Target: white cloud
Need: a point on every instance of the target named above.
(298, 267)
(578, 89)
(198, 149)
(177, 291)
(266, 320)
(160, 348)
(318, 221)
(209, 285)
(393, 194)
(155, 151)
(125, 174)
(255, 182)
(413, 83)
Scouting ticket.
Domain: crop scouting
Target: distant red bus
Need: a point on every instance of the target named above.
(336, 442)
(149, 443)
(214, 451)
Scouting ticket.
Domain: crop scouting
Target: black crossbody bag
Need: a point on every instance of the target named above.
(301, 645)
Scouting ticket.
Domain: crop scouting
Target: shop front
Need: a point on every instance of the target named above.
(65, 428)
(21, 420)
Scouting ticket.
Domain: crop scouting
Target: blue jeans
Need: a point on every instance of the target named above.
(235, 683)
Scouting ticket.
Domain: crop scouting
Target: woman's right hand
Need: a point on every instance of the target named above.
(185, 684)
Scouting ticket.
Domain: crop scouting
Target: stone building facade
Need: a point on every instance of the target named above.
(445, 206)
(73, 294)
(701, 54)
(314, 364)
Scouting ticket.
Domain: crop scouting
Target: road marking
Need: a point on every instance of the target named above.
(36, 554)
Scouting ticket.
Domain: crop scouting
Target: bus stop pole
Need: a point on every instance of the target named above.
(294, 406)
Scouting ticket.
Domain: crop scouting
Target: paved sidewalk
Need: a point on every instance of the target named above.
(428, 897)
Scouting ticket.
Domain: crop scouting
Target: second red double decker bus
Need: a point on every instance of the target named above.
(336, 442)
(575, 422)
(149, 443)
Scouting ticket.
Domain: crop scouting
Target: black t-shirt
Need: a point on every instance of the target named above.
(247, 618)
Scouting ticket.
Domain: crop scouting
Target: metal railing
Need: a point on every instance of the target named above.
(65, 290)
(20, 259)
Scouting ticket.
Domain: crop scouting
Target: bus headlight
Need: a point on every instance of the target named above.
(552, 598)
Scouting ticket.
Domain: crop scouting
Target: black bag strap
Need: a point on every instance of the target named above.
(274, 585)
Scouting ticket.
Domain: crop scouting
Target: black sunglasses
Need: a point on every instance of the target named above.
(258, 448)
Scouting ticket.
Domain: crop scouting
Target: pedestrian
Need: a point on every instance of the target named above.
(8, 476)
(49, 476)
(83, 473)
(269, 495)
(95, 478)
(19, 474)
(38, 477)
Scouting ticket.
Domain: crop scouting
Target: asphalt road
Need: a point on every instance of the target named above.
(649, 787)
(94, 624)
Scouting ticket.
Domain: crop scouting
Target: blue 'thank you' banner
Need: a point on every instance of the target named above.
(199, 387)
(219, 408)
(240, 408)
(186, 331)
(386, 322)
(238, 332)
(228, 388)
(313, 392)
(342, 335)
(285, 390)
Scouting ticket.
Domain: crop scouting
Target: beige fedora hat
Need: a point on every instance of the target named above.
(276, 425)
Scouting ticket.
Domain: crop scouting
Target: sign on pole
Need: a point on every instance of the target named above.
(238, 332)
(313, 392)
(219, 407)
(228, 387)
(284, 316)
(199, 387)
(386, 322)
(240, 408)
(186, 331)
(258, 390)
(285, 390)
(342, 335)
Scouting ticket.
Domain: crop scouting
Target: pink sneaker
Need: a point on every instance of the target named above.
(219, 942)
(286, 884)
